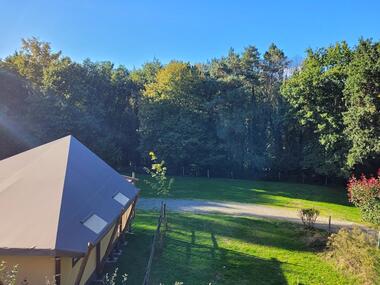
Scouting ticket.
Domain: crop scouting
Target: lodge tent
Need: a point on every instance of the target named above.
(62, 210)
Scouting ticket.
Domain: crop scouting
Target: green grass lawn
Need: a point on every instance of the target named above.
(199, 249)
(329, 200)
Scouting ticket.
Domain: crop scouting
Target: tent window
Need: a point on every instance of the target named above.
(95, 223)
(121, 198)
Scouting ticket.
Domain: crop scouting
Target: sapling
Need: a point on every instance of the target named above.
(160, 184)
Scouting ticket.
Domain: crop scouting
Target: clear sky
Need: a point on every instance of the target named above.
(133, 32)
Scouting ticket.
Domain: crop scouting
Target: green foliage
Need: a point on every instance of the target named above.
(8, 274)
(308, 217)
(241, 115)
(335, 97)
(365, 194)
(33, 59)
(362, 96)
(173, 117)
(225, 115)
(355, 252)
(92, 101)
(160, 184)
(315, 94)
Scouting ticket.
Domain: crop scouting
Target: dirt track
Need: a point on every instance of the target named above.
(238, 209)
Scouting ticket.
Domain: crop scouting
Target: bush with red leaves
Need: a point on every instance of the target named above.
(365, 194)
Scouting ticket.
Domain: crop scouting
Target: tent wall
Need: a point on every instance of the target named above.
(70, 273)
(38, 269)
(105, 241)
(125, 216)
(35, 269)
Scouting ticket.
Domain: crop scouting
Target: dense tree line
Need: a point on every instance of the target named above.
(242, 115)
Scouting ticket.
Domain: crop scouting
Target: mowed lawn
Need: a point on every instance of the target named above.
(328, 200)
(217, 249)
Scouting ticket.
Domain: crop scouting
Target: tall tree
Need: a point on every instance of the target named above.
(274, 109)
(362, 96)
(32, 59)
(315, 94)
(172, 116)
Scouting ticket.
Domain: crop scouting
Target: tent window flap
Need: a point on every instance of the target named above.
(121, 198)
(95, 223)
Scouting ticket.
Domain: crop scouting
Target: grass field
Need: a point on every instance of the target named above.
(199, 249)
(329, 200)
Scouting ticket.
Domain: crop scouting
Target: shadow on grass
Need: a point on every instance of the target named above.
(203, 264)
(271, 233)
(199, 249)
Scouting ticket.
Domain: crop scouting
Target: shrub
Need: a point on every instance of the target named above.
(354, 251)
(365, 194)
(308, 217)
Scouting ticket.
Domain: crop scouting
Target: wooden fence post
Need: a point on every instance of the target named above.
(378, 240)
(329, 224)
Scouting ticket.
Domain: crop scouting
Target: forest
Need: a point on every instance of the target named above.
(243, 115)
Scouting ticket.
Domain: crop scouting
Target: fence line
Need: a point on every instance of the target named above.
(161, 219)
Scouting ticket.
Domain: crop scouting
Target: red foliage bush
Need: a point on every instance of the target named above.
(365, 194)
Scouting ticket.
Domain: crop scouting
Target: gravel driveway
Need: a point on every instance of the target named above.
(238, 209)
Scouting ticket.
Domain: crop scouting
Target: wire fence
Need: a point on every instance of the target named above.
(162, 220)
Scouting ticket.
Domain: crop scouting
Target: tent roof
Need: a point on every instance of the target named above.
(48, 192)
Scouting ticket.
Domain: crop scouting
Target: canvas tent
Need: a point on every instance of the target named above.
(62, 210)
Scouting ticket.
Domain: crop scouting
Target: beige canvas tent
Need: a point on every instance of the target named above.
(62, 210)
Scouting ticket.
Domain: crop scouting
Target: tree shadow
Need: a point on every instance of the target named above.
(195, 250)
(272, 233)
(213, 264)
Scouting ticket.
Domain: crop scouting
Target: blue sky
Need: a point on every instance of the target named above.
(133, 32)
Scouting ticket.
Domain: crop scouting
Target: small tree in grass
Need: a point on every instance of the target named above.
(308, 217)
(160, 184)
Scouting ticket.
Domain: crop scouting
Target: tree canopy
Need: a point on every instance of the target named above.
(242, 115)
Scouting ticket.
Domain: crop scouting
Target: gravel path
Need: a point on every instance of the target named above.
(238, 209)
